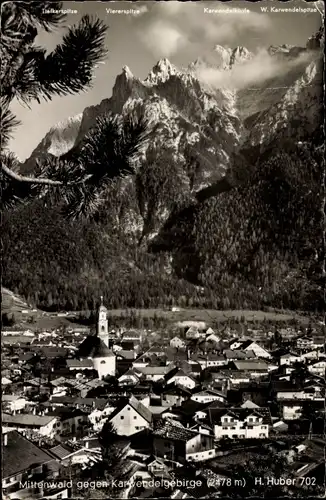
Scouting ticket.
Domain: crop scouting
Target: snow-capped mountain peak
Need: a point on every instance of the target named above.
(240, 55)
(161, 72)
(126, 71)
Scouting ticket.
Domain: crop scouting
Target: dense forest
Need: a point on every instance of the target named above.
(262, 241)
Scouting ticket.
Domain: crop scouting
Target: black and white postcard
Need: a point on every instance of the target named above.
(163, 250)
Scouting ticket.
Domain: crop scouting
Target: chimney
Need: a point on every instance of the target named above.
(5, 439)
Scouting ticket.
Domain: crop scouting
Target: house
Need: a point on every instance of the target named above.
(5, 381)
(280, 426)
(69, 421)
(177, 343)
(193, 332)
(306, 342)
(238, 354)
(310, 393)
(42, 424)
(157, 467)
(180, 377)
(191, 367)
(20, 340)
(100, 413)
(22, 463)
(237, 423)
(196, 331)
(176, 443)
(130, 417)
(232, 377)
(258, 350)
(174, 395)
(60, 386)
(125, 355)
(318, 367)
(130, 377)
(292, 409)
(256, 368)
(13, 402)
(87, 454)
(249, 404)
(213, 338)
(289, 358)
(208, 395)
(188, 412)
(79, 364)
(132, 336)
(210, 359)
(236, 343)
(154, 373)
(310, 355)
(153, 353)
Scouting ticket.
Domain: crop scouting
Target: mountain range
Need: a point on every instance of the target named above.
(216, 209)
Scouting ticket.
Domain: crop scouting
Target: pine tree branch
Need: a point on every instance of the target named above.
(69, 68)
(31, 180)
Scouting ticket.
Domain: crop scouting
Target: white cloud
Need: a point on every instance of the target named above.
(163, 38)
(260, 68)
(173, 25)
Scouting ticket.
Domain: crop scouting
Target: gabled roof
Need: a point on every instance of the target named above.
(126, 354)
(177, 372)
(289, 353)
(241, 414)
(189, 408)
(29, 420)
(178, 338)
(79, 363)
(209, 392)
(168, 430)
(60, 381)
(176, 389)
(251, 365)
(238, 354)
(20, 454)
(141, 409)
(136, 405)
(61, 451)
(247, 343)
(131, 373)
(249, 404)
(93, 347)
(65, 413)
(155, 370)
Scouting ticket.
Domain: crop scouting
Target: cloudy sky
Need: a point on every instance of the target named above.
(179, 31)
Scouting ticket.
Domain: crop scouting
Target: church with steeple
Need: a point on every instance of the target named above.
(96, 347)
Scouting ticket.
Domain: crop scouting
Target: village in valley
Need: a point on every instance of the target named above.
(180, 408)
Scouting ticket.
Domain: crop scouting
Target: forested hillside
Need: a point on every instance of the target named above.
(262, 241)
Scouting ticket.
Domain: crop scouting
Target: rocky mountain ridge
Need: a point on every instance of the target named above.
(230, 162)
(190, 111)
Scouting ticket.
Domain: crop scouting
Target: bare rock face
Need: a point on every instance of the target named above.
(204, 107)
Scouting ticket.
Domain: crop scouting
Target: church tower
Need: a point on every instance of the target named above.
(102, 324)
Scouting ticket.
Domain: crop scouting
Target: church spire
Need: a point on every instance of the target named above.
(101, 300)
